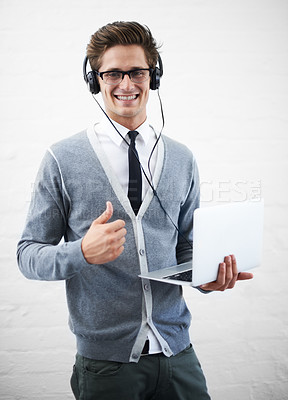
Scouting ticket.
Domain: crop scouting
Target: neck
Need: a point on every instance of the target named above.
(131, 123)
(131, 126)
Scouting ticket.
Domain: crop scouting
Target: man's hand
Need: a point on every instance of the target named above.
(227, 275)
(104, 241)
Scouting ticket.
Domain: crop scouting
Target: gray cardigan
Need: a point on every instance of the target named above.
(110, 307)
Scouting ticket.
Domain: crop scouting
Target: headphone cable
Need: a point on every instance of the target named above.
(144, 173)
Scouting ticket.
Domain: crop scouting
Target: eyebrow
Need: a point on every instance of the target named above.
(122, 70)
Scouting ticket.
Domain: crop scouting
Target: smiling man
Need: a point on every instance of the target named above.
(126, 101)
(132, 334)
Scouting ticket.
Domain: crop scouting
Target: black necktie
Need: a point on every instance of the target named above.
(135, 178)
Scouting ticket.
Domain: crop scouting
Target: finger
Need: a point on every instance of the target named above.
(224, 275)
(106, 215)
(117, 250)
(120, 251)
(220, 282)
(234, 271)
(221, 278)
(229, 272)
(234, 264)
(122, 241)
(116, 226)
(119, 234)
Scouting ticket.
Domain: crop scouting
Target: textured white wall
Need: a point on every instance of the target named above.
(225, 95)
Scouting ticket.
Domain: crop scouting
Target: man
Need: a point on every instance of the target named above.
(132, 334)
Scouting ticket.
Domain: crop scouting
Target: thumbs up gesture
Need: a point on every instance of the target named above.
(104, 241)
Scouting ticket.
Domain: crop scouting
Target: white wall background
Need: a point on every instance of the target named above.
(225, 95)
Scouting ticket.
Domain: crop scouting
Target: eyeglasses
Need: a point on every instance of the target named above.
(115, 77)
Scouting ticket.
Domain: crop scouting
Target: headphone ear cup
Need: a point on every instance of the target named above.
(155, 79)
(92, 82)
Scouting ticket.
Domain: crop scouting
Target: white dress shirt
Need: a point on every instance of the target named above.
(117, 152)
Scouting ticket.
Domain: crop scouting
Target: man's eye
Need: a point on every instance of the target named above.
(113, 75)
(138, 73)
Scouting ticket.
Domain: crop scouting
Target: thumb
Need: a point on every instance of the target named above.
(106, 215)
(242, 276)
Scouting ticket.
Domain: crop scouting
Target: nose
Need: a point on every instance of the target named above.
(126, 83)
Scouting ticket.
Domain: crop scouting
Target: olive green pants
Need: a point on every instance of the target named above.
(154, 377)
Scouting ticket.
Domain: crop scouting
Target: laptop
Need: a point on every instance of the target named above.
(218, 231)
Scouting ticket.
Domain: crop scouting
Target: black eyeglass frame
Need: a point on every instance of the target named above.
(123, 74)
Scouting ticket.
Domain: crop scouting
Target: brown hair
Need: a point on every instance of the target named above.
(121, 33)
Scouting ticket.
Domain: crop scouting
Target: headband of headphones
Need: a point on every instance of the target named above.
(93, 84)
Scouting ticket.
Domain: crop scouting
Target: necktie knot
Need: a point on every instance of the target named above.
(132, 135)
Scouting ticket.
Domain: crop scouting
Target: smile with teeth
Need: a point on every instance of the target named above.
(126, 98)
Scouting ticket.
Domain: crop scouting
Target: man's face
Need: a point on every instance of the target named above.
(126, 102)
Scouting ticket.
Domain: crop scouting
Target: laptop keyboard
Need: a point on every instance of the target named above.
(181, 276)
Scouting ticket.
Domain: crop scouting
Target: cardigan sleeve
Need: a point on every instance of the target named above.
(40, 254)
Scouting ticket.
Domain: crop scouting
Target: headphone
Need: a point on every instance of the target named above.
(93, 85)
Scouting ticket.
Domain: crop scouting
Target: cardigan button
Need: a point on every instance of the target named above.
(141, 252)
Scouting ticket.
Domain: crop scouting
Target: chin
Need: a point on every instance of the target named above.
(128, 113)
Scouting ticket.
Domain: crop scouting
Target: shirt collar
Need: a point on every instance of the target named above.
(104, 127)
